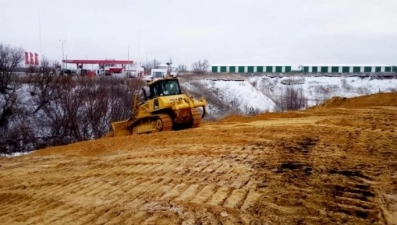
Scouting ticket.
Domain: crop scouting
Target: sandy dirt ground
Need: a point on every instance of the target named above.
(333, 164)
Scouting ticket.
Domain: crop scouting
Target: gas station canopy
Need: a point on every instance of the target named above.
(90, 61)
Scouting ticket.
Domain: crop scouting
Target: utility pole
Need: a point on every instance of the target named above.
(139, 45)
(169, 66)
(146, 69)
(63, 52)
(41, 45)
(146, 57)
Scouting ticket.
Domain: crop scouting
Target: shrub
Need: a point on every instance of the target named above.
(200, 67)
(291, 99)
(64, 110)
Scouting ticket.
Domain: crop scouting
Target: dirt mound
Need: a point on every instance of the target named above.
(381, 99)
(323, 166)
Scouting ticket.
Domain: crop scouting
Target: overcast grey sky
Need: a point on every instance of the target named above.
(228, 31)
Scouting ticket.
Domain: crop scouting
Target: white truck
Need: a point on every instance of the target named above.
(133, 71)
(163, 71)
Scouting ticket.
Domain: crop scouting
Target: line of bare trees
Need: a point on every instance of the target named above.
(200, 66)
(40, 109)
(149, 65)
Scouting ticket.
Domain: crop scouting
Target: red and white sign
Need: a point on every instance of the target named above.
(31, 58)
(27, 62)
(36, 59)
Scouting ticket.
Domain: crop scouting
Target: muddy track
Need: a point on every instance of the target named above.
(320, 166)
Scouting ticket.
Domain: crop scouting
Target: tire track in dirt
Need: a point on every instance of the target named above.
(181, 189)
(315, 167)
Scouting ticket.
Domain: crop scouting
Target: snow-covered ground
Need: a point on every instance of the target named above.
(225, 97)
(319, 89)
(260, 93)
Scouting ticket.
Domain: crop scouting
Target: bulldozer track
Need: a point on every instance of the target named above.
(287, 168)
(167, 122)
(165, 119)
(196, 118)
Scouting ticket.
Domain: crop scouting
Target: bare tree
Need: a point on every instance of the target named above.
(182, 68)
(291, 99)
(153, 64)
(200, 67)
(42, 87)
(156, 64)
(10, 58)
(11, 111)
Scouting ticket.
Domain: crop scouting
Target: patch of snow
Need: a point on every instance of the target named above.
(259, 93)
(241, 94)
(15, 154)
(318, 89)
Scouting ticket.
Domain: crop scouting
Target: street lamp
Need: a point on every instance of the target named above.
(128, 58)
(146, 67)
(169, 66)
(63, 52)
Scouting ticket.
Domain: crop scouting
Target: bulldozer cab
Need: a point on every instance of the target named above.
(164, 87)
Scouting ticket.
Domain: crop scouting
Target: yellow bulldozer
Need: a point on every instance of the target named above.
(161, 106)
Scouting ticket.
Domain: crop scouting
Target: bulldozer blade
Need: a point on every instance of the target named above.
(121, 128)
